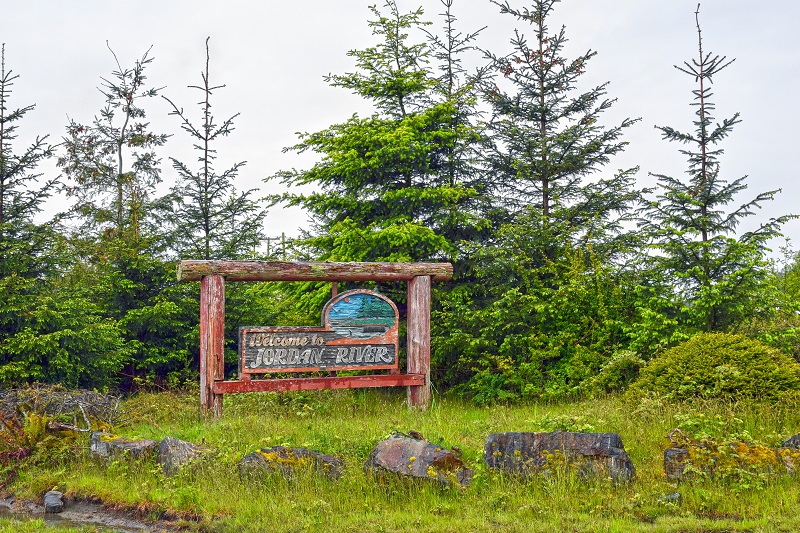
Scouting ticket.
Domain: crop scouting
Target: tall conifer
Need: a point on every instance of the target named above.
(715, 273)
(211, 219)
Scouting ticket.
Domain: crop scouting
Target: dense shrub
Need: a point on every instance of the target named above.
(719, 365)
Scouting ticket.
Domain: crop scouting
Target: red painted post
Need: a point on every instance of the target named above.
(212, 339)
(419, 339)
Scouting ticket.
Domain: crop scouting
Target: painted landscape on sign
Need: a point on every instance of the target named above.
(361, 316)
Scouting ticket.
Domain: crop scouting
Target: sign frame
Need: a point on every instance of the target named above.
(335, 334)
(213, 275)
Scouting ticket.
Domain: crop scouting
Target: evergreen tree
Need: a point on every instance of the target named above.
(397, 185)
(546, 138)
(212, 219)
(112, 161)
(466, 220)
(716, 276)
(48, 331)
(548, 307)
(114, 168)
(22, 241)
(387, 184)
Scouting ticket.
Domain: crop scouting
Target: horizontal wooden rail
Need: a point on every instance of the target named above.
(194, 270)
(338, 382)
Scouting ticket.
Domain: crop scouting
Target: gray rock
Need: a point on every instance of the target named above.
(792, 442)
(672, 497)
(53, 502)
(675, 462)
(174, 453)
(418, 458)
(106, 446)
(592, 454)
(288, 461)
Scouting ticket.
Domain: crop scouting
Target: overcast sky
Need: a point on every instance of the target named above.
(272, 57)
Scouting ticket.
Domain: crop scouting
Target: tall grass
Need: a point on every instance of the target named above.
(349, 423)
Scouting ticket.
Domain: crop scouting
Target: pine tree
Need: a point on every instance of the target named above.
(547, 138)
(112, 161)
(48, 330)
(212, 220)
(715, 274)
(387, 187)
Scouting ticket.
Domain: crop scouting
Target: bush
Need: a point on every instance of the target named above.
(616, 374)
(719, 365)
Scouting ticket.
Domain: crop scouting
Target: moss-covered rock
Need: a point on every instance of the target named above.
(288, 462)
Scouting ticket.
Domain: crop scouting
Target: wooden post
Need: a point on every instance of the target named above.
(212, 339)
(419, 339)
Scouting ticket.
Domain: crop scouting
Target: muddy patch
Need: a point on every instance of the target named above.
(83, 512)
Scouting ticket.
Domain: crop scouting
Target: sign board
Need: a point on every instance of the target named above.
(359, 332)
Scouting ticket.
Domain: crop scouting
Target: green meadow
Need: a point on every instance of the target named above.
(211, 496)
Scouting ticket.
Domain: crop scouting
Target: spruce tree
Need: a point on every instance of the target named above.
(23, 242)
(548, 308)
(112, 161)
(211, 219)
(715, 275)
(49, 330)
(546, 136)
(113, 169)
(387, 187)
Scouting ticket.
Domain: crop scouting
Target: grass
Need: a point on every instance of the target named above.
(37, 525)
(349, 423)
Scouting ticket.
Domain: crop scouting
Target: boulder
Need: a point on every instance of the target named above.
(174, 453)
(675, 462)
(106, 446)
(418, 458)
(53, 502)
(288, 461)
(792, 442)
(592, 454)
(713, 458)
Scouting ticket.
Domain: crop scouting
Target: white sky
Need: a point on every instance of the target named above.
(272, 56)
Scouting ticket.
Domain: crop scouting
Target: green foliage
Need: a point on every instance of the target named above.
(156, 318)
(119, 254)
(210, 218)
(713, 276)
(719, 365)
(388, 185)
(45, 335)
(112, 161)
(531, 326)
(66, 340)
(619, 371)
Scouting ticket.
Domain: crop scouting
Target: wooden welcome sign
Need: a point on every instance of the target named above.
(358, 332)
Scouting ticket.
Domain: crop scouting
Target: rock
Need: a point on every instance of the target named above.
(287, 461)
(673, 497)
(105, 446)
(594, 454)
(674, 462)
(792, 442)
(418, 458)
(174, 453)
(712, 458)
(53, 502)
